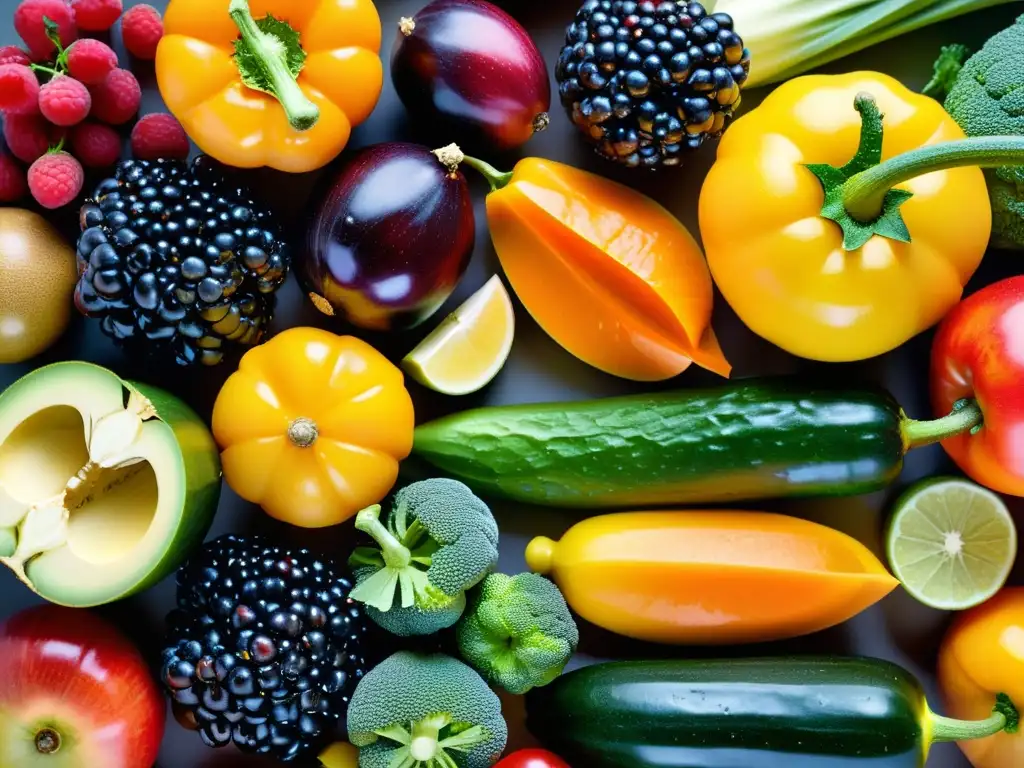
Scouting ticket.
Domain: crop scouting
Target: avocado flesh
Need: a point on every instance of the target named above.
(92, 485)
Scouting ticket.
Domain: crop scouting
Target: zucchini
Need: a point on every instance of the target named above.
(801, 712)
(748, 440)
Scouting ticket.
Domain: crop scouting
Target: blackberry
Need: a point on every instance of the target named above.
(175, 262)
(647, 81)
(264, 648)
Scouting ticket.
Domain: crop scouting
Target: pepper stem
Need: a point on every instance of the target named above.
(495, 178)
(864, 194)
(861, 197)
(1004, 717)
(966, 416)
(303, 432)
(269, 53)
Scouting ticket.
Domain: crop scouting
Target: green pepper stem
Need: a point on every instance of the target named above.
(864, 194)
(301, 112)
(965, 416)
(495, 178)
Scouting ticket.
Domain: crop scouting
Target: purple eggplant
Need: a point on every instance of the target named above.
(468, 66)
(392, 237)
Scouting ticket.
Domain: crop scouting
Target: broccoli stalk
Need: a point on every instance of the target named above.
(518, 633)
(439, 541)
(425, 711)
(403, 559)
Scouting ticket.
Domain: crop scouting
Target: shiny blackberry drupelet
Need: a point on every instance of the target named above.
(178, 263)
(264, 649)
(647, 81)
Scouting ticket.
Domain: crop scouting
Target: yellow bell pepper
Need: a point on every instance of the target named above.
(312, 427)
(981, 657)
(832, 243)
(280, 84)
(610, 274)
(710, 577)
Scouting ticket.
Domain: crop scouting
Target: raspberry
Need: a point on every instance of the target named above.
(91, 61)
(96, 15)
(116, 99)
(141, 30)
(95, 145)
(55, 179)
(12, 54)
(159, 135)
(26, 136)
(19, 90)
(12, 180)
(64, 101)
(28, 21)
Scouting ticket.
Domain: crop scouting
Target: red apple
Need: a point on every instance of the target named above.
(74, 693)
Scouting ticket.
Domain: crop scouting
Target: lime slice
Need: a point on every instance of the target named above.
(469, 347)
(952, 543)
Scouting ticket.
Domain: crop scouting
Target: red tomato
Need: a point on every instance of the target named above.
(532, 758)
(979, 354)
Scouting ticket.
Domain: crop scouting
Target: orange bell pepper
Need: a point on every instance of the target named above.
(710, 577)
(312, 427)
(607, 272)
(982, 657)
(306, 72)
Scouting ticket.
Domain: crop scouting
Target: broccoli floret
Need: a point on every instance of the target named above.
(439, 541)
(518, 633)
(425, 711)
(987, 99)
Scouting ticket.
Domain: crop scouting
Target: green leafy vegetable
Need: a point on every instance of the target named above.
(789, 37)
(425, 711)
(518, 633)
(439, 541)
(987, 99)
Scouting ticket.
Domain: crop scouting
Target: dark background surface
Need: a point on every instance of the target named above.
(898, 629)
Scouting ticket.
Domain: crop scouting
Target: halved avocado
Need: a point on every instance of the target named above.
(105, 485)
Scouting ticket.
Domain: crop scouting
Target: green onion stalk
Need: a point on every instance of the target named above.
(787, 38)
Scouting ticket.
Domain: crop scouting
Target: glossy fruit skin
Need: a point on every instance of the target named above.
(781, 265)
(978, 353)
(982, 655)
(784, 439)
(802, 712)
(532, 758)
(37, 281)
(239, 126)
(636, 279)
(70, 670)
(469, 67)
(391, 239)
(702, 577)
(362, 416)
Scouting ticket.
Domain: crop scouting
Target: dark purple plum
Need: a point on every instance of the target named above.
(392, 237)
(469, 67)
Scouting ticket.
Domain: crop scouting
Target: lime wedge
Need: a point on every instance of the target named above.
(469, 347)
(951, 543)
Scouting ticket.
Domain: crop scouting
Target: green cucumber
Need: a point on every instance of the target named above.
(749, 440)
(801, 712)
